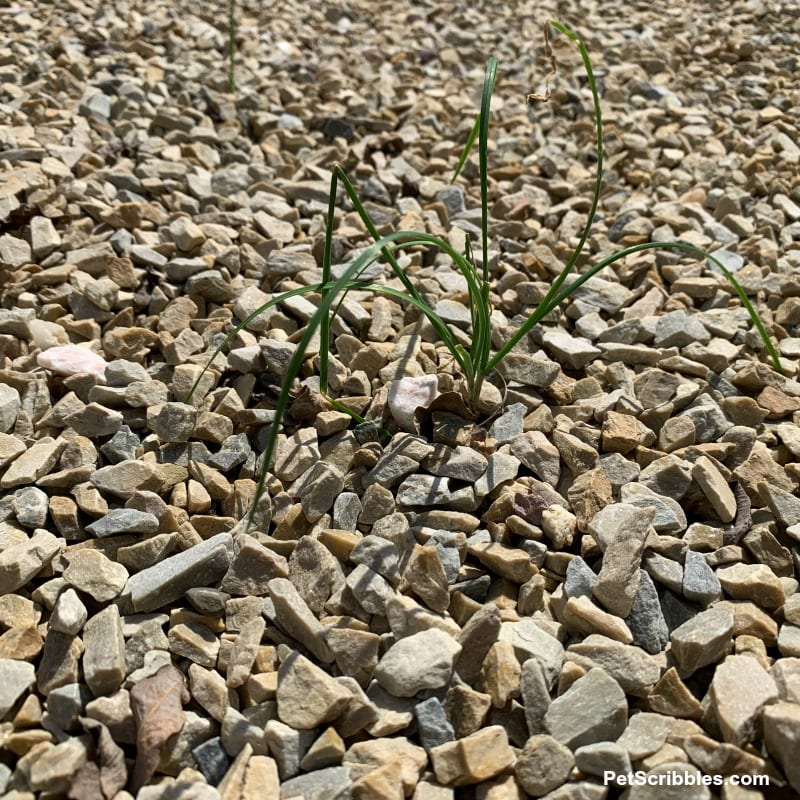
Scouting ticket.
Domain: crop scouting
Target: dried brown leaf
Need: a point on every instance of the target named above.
(548, 51)
(105, 775)
(157, 704)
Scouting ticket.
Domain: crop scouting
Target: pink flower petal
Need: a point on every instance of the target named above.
(70, 359)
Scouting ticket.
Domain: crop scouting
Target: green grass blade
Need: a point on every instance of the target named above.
(473, 134)
(231, 45)
(598, 118)
(483, 155)
(245, 322)
(370, 225)
(325, 330)
(295, 363)
(545, 308)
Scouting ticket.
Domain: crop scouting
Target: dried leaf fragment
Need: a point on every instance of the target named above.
(548, 51)
(104, 775)
(157, 705)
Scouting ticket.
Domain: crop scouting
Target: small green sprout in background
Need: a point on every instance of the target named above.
(477, 362)
(231, 45)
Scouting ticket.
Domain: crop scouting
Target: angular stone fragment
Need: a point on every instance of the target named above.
(576, 454)
(237, 732)
(124, 520)
(331, 783)
(783, 504)
(760, 467)
(537, 453)
(355, 652)
(622, 433)
(559, 526)
(789, 640)
(72, 359)
(570, 350)
(669, 515)
(32, 464)
(406, 395)
(287, 746)
(665, 571)
(714, 487)
(21, 562)
(671, 696)
(646, 621)
(249, 775)
(244, 652)
(423, 660)
(10, 448)
(530, 641)
(501, 468)
(645, 734)
(104, 652)
(508, 562)
(371, 590)
(476, 638)
(595, 759)
(163, 583)
(315, 572)
(740, 689)
(755, 582)
(54, 768)
(122, 480)
(592, 710)
(379, 554)
(320, 486)
(475, 758)
(10, 407)
(543, 765)
(299, 453)
(700, 584)
(295, 617)
(60, 662)
(91, 572)
(623, 532)
(326, 751)
(391, 468)
(669, 475)
(208, 688)
(194, 641)
(459, 462)
(424, 575)
(633, 669)
(252, 568)
(423, 490)
(69, 613)
(582, 616)
(702, 640)
(405, 760)
(307, 696)
(535, 695)
(501, 673)
(434, 727)
(781, 724)
(588, 494)
(16, 677)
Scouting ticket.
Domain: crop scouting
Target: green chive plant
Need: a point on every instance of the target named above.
(478, 361)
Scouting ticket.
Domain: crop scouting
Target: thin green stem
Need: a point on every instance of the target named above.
(483, 155)
(544, 309)
(231, 45)
(598, 183)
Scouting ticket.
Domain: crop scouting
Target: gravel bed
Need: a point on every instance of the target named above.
(598, 573)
